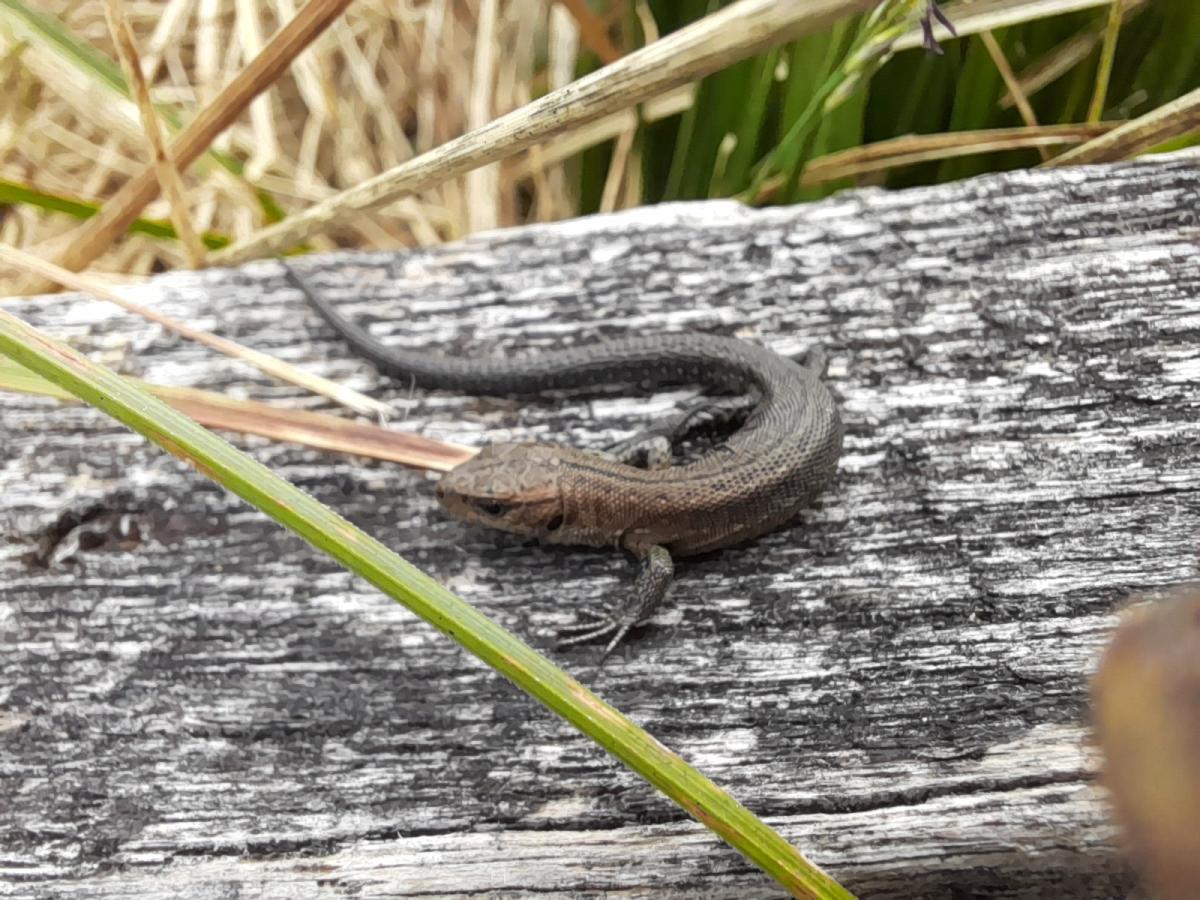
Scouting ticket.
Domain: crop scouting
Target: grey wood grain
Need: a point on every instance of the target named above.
(193, 701)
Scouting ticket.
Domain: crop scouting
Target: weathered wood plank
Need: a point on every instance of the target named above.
(192, 700)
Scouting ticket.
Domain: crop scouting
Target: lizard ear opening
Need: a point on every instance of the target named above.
(555, 523)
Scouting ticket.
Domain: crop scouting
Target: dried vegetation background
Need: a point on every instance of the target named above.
(388, 80)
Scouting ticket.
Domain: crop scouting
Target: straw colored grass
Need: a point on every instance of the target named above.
(389, 79)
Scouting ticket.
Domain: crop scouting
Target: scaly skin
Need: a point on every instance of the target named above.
(783, 455)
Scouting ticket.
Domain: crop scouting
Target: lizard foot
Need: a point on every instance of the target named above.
(598, 625)
(651, 586)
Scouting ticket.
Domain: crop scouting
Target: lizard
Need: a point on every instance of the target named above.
(631, 497)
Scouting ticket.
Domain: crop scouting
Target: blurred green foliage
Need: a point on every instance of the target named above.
(743, 115)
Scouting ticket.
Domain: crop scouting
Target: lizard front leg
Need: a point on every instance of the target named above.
(648, 591)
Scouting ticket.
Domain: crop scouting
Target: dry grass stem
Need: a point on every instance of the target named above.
(996, 52)
(168, 30)
(567, 145)
(266, 142)
(313, 429)
(387, 83)
(1179, 117)
(618, 170)
(1055, 64)
(555, 193)
(169, 181)
(483, 184)
(920, 148)
(1051, 66)
(297, 426)
(27, 262)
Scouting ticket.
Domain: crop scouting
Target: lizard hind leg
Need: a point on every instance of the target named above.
(648, 592)
(647, 450)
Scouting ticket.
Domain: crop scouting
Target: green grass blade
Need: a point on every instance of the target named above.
(976, 105)
(1108, 50)
(1169, 65)
(670, 16)
(503, 651)
(12, 192)
(699, 168)
(841, 129)
(795, 148)
(18, 379)
(753, 114)
(679, 154)
(808, 62)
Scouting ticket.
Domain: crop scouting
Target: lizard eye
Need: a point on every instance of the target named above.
(490, 507)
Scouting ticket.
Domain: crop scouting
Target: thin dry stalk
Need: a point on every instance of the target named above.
(568, 145)
(1179, 117)
(270, 365)
(996, 52)
(169, 181)
(170, 23)
(310, 429)
(553, 191)
(208, 53)
(427, 68)
(483, 184)
(266, 142)
(318, 430)
(1055, 64)
(618, 170)
(914, 149)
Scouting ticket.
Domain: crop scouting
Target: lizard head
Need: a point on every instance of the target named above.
(512, 487)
